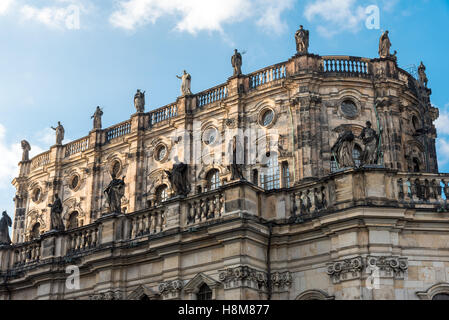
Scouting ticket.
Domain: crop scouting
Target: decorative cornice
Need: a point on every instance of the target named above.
(281, 280)
(109, 295)
(347, 269)
(243, 276)
(171, 286)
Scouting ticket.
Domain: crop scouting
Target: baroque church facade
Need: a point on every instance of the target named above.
(315, 178)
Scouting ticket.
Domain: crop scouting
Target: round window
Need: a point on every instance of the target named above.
(161, 153)
(210, 136)
(267, 118)
(349, 109)
(74, 182)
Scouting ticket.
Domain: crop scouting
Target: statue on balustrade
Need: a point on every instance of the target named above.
(25, 150)
(185, 84)
(178, 179)
(115, 192)
(385, 46)
(302, 40)
(97, 118)
(343, 149)
(5, 223)
(55, 215)
(236, 62)
(370, 139)
(59, 133)
(237, 161)
(422, 75)
(139, 101)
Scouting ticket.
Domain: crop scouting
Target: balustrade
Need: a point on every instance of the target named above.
(40, 160)
(423, 189)
(310, 200)
(205, 208)
(77, 146)
(27, 254)
(118, 131)
(163, 114)
(82, 240)
(267, 75)
(347, 65)
(147, 223)
(212, 95)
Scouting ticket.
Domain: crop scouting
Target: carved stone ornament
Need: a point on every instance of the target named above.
(243, 276)
(171, 289)
(281, 280)
(347, 269)
(391, 266)
(109, 295)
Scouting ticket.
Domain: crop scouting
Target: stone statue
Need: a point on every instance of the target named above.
(59, 133)
(139, 101)
(26, 150)
(185, 85)
(236, 62)
(343, 149)
(178, 179)
(370, 140)
(5, 222)
(302, 40)
(422, 75)
(55, 215)
(97, 118)
(384, 45)
(115, 192)
(236, 165)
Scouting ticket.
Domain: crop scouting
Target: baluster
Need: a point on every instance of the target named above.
(158, 222)
(400, 189)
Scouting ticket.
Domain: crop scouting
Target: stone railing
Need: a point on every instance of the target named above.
(212, 95)
(40, 160)
(164, 113)
(267, 75)
(77, 146)
(146, 223)
(423, 188)
(120, 130)
(206, 207)
(309, 200)
(26, 253)
(82, 239)
(351, 66)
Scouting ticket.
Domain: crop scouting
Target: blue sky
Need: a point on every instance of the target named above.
(61, 58)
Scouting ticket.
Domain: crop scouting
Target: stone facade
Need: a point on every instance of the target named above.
(299, 226)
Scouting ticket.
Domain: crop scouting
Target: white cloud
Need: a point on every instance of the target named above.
(46, 136)
(443, 151)
(59, 17)
(336, 16)
(442, 122)
(200, 15)
(5, 5)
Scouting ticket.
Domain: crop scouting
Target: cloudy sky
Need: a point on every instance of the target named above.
(61, 58)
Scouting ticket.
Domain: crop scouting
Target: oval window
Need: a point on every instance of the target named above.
(161, 153)
(267, 118)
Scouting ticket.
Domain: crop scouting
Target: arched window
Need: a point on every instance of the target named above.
(36, 232)
(415, 123)
(441, 296)
(270, 180)
(334, 166)
(73, 220)
(357, 155)
(162, 194)
(204, 293)
(416, 166)
(213, 180)
(285, 175)
(255, 178)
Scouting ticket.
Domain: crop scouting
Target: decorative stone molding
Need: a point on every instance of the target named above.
(109, 295)
(344, 270)
(281, 280)
(141, 292)
(171, 289)
(437, 289)
(349, 269)
(314, 295)
(243, 276)
(389, 266)
(194, 285)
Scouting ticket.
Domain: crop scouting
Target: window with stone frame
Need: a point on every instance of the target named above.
(357, 155)
(334, 164)
(162, 194)
(285, 175)
(73, 220)
(204, 293)
(271, 179)
(213, 180)
(36, 231)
